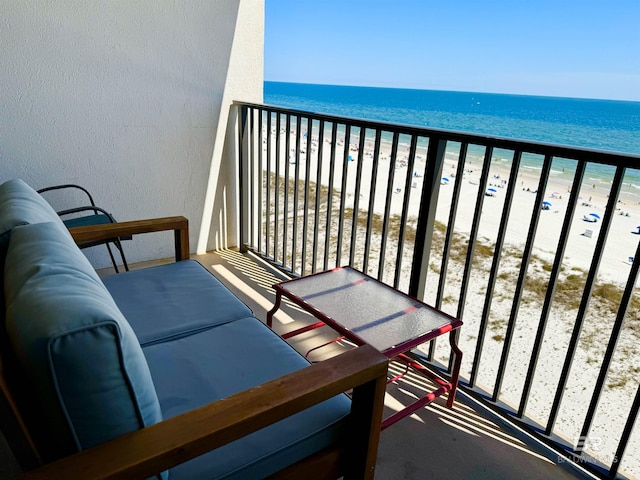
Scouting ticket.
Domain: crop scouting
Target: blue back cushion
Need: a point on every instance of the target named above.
(19, 204)
(82, 361)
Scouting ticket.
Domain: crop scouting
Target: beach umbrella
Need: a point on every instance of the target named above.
(546, 203)
(595, 215)
(445, 180)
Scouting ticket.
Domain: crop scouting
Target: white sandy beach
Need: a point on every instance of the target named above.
(614, 267)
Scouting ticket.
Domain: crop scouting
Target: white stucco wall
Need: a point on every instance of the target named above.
(131, 100)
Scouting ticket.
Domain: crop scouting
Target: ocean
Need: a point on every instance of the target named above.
(586, 123)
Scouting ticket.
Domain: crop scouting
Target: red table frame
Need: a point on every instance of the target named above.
(397, 352)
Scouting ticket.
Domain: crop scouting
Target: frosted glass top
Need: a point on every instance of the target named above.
(375, 312)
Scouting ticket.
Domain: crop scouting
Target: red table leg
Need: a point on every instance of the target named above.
(455, 373)
(274, 309)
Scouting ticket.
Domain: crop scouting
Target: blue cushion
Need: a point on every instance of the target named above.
(195, 370)
(87, 220)
(76, 351)
(19, 205)
(168, 301)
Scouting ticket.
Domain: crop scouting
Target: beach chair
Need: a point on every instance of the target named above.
(86, 215)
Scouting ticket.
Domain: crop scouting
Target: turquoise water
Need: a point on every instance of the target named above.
(596, 124)
(600, 124)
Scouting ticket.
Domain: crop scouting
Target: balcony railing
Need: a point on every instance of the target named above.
(531, 245)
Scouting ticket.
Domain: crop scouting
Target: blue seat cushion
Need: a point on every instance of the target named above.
(193, 371)
(168, 301)
(87, 220)
(80, 360)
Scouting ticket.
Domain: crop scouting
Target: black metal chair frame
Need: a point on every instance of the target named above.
(97, 211)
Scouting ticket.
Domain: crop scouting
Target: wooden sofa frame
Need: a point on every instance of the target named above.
(145, 452)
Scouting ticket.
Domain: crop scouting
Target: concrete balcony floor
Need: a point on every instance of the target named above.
(466, 442)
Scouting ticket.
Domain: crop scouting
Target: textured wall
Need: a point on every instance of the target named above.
(131, 100)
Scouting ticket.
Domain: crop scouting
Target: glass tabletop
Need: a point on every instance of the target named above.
(376, 313)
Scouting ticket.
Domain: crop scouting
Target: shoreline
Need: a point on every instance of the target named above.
(593, 195)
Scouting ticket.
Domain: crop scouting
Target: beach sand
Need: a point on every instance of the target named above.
(614, 268)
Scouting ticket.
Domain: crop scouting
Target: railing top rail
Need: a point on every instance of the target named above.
(541, 148)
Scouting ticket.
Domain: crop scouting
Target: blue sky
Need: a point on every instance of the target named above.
(568, 48)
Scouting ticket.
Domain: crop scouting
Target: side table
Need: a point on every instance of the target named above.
(367, 311)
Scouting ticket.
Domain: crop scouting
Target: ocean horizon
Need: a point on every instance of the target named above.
(610, 125)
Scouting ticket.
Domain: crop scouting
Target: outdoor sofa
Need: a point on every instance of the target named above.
(161, 371)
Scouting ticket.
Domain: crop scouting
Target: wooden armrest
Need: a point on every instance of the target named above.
(180, 226)
(161, 446)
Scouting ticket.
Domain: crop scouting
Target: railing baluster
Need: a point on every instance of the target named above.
(584, 303)
(427, 215)
(553, 280)
(372, 200)
(614, 194)
(356, 198)
(387, 205)
(446, 249)
(256, 152)
(305, 213)
(495, 265)
(285, 200)
(276, 188)
(259, 181)
(244, 134)
(473, 235)
(296, 181)
(405, 209)
(332, 164)
(629, 424)
(267, 182)
(448, 240)
(316, 223)
(343, 190)
(526, 258)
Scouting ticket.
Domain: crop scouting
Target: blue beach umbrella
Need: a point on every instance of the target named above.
(546, 203)
(595, 215)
